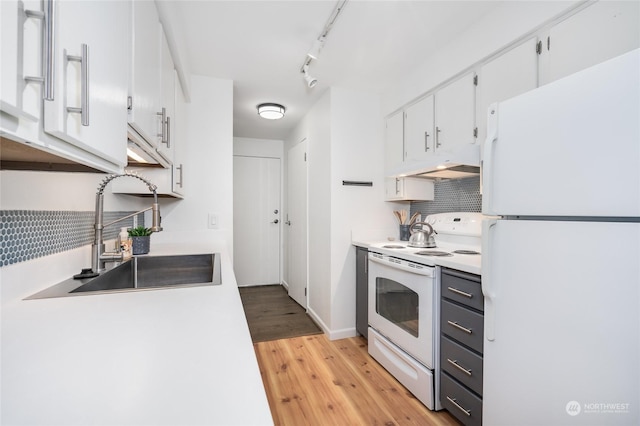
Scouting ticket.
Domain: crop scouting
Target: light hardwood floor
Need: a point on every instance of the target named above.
(311, 380)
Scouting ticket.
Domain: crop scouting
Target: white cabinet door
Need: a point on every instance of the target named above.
(90, 76)
(394, 141)
(510, 74)
(418, 130)
(167, 93)
(408, 189)
(22, 26)
(144, 83)
(601, 31)
(455, 114)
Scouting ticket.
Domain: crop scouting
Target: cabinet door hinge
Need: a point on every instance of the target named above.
(305, 291)
(548, 43)
(475, 80)
(305, 156)
(539, 47)
(129, 103)
(475, 132)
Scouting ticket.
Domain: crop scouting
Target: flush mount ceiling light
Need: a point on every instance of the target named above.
(271, 111)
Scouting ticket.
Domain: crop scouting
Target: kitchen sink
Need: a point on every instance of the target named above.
(144, 273)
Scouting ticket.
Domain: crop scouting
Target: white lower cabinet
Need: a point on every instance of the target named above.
(408, 189)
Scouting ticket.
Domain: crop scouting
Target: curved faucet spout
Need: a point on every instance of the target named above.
(98, 257)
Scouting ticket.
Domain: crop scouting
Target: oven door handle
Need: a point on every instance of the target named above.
(404, 265)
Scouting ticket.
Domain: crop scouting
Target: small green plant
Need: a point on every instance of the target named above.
(140, 231)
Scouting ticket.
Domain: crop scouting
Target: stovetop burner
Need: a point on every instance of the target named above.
(466, 252)
(393, 246)
(433, 253)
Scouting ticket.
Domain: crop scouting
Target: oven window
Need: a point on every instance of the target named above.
(398, 304)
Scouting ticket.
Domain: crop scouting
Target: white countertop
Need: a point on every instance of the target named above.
(159, 357)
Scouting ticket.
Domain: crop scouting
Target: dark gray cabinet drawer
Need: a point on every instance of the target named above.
(462, 325)
(463, 288)
(459, 401)
(461, 363)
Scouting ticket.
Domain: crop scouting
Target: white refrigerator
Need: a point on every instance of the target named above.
(561, 255)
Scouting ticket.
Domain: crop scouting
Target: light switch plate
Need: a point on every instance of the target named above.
(213, 221)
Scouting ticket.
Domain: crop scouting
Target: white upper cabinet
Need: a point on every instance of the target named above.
(455, 114)
(601, 31)
(394, 141)
(144, 81)
(89, 109)
(419, 141)
(24, 26)
(510, 74)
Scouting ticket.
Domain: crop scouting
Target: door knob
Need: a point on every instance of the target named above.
(275, 221)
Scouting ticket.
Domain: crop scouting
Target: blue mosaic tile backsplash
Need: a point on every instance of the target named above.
(29, 234)
(455, 195)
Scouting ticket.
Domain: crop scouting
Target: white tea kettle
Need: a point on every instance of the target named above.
(421, 238)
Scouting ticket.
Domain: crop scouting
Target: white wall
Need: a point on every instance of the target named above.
(252, 147)
(208, 159)
(357, 153)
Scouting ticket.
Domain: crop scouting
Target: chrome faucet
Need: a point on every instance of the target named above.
(98, 256)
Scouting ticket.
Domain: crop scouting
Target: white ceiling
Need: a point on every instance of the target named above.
(261, 46)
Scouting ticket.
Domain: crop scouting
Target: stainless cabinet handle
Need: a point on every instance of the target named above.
(168, 132)
(163, 121)
(397, 183)
(454, 362)
(438, 137)
(460, 292)
(426, 141)
(458, 406)
(179, 183)
(48, 44)
(459, 327)
(84, 85)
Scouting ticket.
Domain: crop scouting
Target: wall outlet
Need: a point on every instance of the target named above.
(212, 221)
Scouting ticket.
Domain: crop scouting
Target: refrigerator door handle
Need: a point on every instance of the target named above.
(488, 287)
(487, 159)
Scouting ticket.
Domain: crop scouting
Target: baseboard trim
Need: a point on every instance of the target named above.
(332, 334)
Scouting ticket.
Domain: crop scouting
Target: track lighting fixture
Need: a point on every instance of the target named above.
(311, 82)
(314, 53)
(271, 111)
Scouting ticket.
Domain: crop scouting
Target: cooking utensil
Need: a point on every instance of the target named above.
(420, 237)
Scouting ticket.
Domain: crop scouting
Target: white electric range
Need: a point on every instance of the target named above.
(403, 299)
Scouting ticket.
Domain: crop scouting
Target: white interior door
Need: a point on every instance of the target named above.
(297, 223)
(256, 220)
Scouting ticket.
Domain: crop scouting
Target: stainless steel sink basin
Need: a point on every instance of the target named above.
(144, 273)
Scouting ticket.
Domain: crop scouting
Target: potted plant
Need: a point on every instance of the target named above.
(140, 239)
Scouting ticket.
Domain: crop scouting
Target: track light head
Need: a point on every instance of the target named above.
(314, 53)
(311, 82)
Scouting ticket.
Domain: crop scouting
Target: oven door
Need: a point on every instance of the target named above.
(401, 297)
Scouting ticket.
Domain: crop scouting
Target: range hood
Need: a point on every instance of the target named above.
(464, 162)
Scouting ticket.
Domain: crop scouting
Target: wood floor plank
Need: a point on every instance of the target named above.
(272, 314)
(311, 380)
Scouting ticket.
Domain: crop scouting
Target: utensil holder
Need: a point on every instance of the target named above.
(404, 232)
